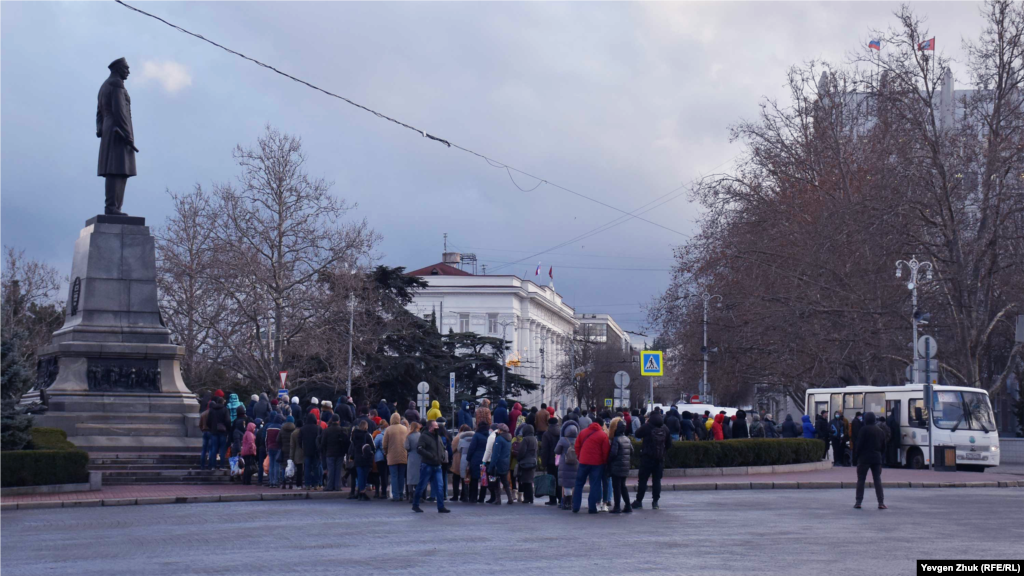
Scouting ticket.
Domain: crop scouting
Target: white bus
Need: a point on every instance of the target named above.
(961, 417)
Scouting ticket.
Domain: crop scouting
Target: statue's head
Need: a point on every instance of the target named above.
(120, 67)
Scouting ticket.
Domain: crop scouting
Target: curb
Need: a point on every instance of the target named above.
(303, 495)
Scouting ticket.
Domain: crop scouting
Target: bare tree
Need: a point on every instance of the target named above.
(278, 231)
(191, 304)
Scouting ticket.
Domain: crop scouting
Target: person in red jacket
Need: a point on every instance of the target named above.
(592, 452)
(716, 428)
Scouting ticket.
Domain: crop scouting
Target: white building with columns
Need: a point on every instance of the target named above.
(531, 316)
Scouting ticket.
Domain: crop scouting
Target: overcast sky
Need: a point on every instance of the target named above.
(621, 102)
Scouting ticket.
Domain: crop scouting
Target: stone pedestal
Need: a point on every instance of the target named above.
(111, 377)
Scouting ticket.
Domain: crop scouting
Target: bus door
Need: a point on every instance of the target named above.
(820, 407)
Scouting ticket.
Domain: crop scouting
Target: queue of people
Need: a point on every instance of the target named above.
(378, 453)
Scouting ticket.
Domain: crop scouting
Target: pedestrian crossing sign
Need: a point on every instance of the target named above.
(652, 363)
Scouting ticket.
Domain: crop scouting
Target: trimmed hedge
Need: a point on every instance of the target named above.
(54, 460)
(745, 452)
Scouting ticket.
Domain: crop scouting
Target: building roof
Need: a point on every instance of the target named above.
(439, 269)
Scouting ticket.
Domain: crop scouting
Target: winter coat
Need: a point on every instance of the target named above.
(233, 405)
(501, 455)
(114, 127)
(262, 408)
(273, 436)
(526, 456)
(394, 445)
(460, 444)
(378, 446)
(383, 411)
(412, 475)
(807, 426)
(726, 428)
(346, 412)
(358, 451)
(592, 446)
(483, 414)
(548, 441)
(475, 451)
(716, 427)
(756, 428)
(334, 441)
(517, 411)
(501, 413)
(674, 422)
(249, 440)
(837, 429)
(431, 448)
(412, 415)
(821, 428)
(619, 453)
(789, 428)
(465, 416)
(566, 471)
(310, 436)
(739, 425)
(285, 440)
(297, 451)
(855, 427)
(540, 421)
(687, 429)
(217, 419)
(870, 444)
(435, 411)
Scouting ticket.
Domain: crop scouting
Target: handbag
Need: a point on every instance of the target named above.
(289, 470)
(544, 485)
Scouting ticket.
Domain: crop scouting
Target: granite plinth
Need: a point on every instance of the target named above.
(117, 384)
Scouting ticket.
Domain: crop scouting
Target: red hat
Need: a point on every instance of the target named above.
(551, 411)
(219, 393)
(273, 402)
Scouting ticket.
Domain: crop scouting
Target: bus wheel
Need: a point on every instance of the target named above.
(915, 459)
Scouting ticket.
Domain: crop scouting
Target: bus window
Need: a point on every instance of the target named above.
(892, 405)
(875, 402)
(917, 413)
(852, 403)
(820, 407)
(837, 404)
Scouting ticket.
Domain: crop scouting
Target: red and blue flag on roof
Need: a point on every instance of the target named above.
(927, 45)
(875, 45)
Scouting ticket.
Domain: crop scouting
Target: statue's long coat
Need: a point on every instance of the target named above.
(114, 110)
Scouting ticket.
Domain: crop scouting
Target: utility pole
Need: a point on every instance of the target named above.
(504, 352)
(914, 266)
(705, 391)
(351, 337)
(542, 375)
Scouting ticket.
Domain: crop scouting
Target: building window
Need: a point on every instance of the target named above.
(492, 323)
(463, 322)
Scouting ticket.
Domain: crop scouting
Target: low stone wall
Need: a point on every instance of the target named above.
(95, 483)
(743, 470)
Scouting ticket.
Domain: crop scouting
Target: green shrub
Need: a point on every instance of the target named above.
(745, 452)
(54, 460)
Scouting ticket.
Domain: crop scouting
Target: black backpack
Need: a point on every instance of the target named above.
(657, 438)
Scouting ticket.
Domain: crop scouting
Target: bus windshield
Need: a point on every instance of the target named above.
(955, 410)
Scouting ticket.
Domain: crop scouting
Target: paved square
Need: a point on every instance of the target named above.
(763, 532)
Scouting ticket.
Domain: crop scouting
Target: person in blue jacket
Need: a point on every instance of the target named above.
(808, 427)
(501, 461)
(475, 453)
(501, 413)
(465, 416)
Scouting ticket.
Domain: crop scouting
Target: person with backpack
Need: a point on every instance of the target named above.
(770, 430)
(219, 423)
(475, 457)
(756, 427)
(592, 450)
(568, 463)
(838, 435)
(656, 443)
(619, 455)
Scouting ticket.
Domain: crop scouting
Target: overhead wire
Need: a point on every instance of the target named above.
(491, 161)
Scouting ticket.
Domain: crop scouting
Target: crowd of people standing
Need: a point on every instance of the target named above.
(379, 453)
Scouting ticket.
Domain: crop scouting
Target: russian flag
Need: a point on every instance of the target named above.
(927, 45)
(551, 272)
(875, 45)
(537, 271)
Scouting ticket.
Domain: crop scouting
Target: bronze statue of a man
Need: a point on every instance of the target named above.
(117, 139)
